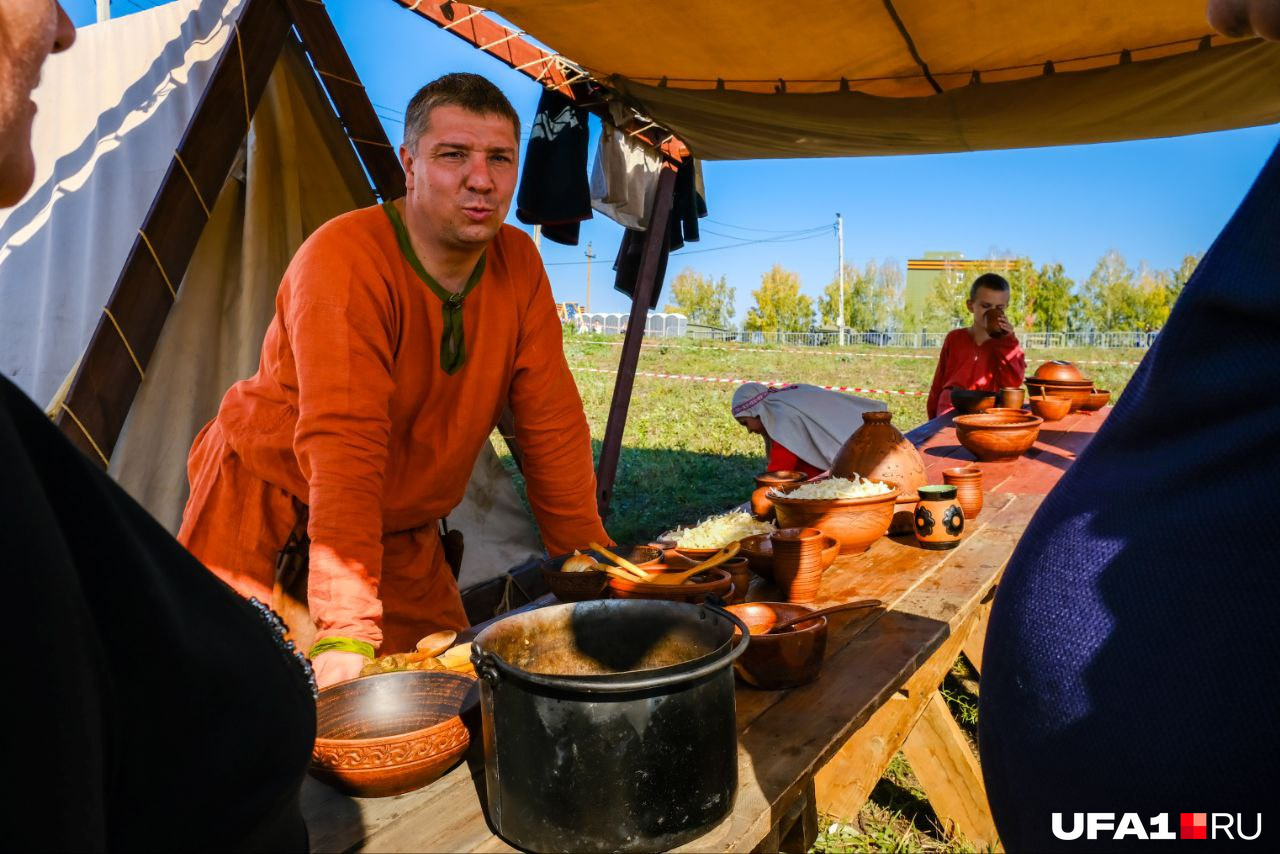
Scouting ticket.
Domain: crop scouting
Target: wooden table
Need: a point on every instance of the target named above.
(824, 745)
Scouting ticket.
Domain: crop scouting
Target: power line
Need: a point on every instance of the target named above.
(785, 239)
(765, 230)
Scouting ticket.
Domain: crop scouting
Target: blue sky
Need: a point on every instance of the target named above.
(1153, 200)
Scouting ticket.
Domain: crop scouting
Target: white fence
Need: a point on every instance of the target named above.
(924, 340)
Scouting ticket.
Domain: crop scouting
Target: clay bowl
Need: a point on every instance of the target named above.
(390, 733)
(766, 481)
(1096, 401)
(1077, 393)
(1051, 408)
(855, 522)
(714, 581)
(785, 660)
(696, 555)
(994, 438)
(581, 586)
(1007, 412)
(972, 400)
(758, 550)
(1058, 370)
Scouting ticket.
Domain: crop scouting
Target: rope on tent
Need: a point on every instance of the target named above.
(244, 82)
(187, 172)
(169, 284)
(371, 142)
(462, 20)
(125, 341)
(346, 80)
(80, 424)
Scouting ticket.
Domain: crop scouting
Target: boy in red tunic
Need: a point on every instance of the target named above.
(973, 359)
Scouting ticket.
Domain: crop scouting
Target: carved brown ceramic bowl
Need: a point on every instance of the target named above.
(1051, 408)
(1058, 370)
(581, 586)
(390, 733)
(997, 438)
(972, 400)
(787, 659)
(1078, 394)
(855, 522)
(1096, 401)
(713, 581)
(1008, 412)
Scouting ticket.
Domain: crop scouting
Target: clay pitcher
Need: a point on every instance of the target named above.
(878, 451)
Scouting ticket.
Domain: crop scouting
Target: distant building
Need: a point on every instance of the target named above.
(924, 273)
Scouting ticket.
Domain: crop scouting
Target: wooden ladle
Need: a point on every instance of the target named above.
(715, 560)
(435, 643)
(822, 612)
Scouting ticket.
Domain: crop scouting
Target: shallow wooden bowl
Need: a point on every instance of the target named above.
(972, 400)
(784, 660)
(1051, 408)
(855, 522)
(390, 733)
(758, 550)
(996, 438)
(714, 581)
(581, 586)
(1096, 401)
(1078, 394)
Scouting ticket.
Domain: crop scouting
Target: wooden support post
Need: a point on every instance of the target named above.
(978, 637)
(799, 838)
(942, 760)
(646, 283)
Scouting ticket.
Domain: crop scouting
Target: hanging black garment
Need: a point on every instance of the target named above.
(627, 264)
(554, 188)
(148, 706)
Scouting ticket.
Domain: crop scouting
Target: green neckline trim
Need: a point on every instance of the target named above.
(453, 348)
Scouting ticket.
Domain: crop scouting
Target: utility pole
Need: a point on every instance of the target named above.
(840, 250)
(104, 10)
(537, 238)
(590, 255)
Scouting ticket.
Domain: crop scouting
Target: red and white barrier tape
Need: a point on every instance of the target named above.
(818, 351)
(771, 383)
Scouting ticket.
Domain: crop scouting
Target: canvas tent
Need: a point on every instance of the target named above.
(113, 112)
(757, 78)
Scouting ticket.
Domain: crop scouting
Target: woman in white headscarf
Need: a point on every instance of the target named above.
(803, 426)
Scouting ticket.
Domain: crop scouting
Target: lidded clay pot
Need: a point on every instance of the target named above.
(1059, 370)
(877, 451)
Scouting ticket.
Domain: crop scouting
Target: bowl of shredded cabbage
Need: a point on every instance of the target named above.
(709, 536)
(856, 511)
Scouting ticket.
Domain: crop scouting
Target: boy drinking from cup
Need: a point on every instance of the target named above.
(983, 355)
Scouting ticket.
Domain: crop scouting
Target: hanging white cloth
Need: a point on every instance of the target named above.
(624, 179)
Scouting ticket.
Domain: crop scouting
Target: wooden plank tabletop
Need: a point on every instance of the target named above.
(1034, 473)
(784, 736)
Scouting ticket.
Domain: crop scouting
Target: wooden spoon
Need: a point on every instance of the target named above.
(822, 612)
(640, 574)
(681, 577)
(436, 643)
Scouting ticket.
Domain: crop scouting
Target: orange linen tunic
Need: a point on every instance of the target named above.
(351, 413)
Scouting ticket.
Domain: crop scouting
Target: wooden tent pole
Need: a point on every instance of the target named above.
(646, 286)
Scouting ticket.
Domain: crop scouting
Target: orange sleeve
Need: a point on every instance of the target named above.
(939, 375)
(339, 318)
(551, 428)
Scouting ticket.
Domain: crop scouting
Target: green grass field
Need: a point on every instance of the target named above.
(683, 455)
(684, 458)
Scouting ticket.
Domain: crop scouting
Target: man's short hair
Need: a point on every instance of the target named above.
(471, 92)
(990, 281)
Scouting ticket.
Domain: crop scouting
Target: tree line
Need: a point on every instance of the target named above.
(1114, 298)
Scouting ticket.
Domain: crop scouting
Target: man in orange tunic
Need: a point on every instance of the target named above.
(400, 332)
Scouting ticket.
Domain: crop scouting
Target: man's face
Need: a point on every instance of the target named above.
(29, 31)
(462, 176)
(984, 300)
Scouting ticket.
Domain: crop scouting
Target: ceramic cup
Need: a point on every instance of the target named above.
(939, 518)
(740, 570)
(968, 483)
(797, 562)
(1011, 398)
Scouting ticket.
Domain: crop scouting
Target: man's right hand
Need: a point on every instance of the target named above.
(337, 666)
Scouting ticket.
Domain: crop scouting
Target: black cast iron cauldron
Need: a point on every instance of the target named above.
(609, 725)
